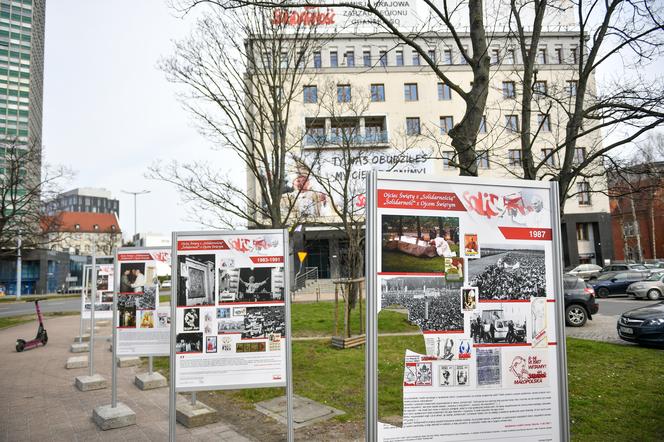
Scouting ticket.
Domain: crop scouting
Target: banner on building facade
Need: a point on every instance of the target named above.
(476, 263)
(230, 309)
(104, 301)
(143, 327)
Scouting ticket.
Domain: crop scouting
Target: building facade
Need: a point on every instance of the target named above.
(84, 199)
(78, 233)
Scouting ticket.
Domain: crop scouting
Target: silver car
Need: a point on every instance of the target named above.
(586, 271)
(651, 288)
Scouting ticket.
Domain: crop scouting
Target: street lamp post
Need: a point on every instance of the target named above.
(19, 268)
(142, 192)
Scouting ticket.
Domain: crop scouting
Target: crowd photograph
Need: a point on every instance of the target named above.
(508, 274)
(260, 322)
(418, 244)
(189, 343)
(431, 303)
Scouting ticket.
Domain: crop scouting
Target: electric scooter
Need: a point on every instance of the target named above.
(41, 338)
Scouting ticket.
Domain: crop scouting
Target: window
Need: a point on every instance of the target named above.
(509, 89)
(310, 94)
(413, 126)
(559, 55)
(539, 88)
(350, 59)
(399, 58)
(77, 227)
(416, 59)
(446, 124)
(509, 57)
(447, 56)
(495, 56)
(334, 59)
(377, 92)
(444, 92)
(366, 58)
(548, 157)
(343, 93)
(541, 56)
(543, 122)
(284, 60)
(583, 193)
(572, 85)
(483, 159)
(514, 157)
(512, 123)
(483, 124)
(448, 159)
(410, 91)
(579, 155)
(317, 60)
(573, 52)
(462, 59)
(582, 232)
(383, 58)
(432, 54)
(628, 228)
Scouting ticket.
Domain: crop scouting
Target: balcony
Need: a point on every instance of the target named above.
(345, 140)
(346, 131)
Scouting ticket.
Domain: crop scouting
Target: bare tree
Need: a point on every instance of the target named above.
(242, 71)
(25, 185)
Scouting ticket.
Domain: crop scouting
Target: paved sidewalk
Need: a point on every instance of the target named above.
(601, 328)
(39, 402)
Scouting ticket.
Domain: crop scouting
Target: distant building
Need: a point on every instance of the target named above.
(637, 212)
(84, 199)
(77, 232)
(150, 239)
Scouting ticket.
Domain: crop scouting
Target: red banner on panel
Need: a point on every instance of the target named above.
(532, 233)
(267, 259)
(134, 257)
(203, 244)
(417, 199)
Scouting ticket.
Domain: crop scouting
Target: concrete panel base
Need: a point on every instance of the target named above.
(77, 362)
(129, 361)
(147, 381)
(88, 383)
(305, 411)
(108, 418)
(84, 338)
(195, 415)
(79, 348)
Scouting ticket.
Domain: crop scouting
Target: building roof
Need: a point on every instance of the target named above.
(86, 222)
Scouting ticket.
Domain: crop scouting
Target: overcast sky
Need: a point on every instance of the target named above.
(109, 112)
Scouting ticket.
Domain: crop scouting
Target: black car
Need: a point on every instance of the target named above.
(615, 282)
(580, 302)
(643, 325)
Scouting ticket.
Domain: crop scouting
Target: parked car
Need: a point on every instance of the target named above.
(615, 282)
(580, 303)
(627, 268)
(586, 271)
(643, 325)
(651, 288)
(166, 284)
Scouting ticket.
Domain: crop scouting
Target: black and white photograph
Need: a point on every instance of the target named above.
(102, 283)
(500, 322)
(488, 367)
(260, 284)
(196, 280)
(424, 374)
(132, 277)
(126, 310)
(517, 272)
(164, 319)
(461, 376)
(431, 301)
(418, 244)
(260, 322)
(234, 325)
(147, 300)
(446, 375)
(191, 319)
(468, 298)
(100, 306)
(189, 343)
(210, 344)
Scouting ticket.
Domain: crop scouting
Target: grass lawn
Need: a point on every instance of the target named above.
(164, 299)
(18, 320)
(26, 298)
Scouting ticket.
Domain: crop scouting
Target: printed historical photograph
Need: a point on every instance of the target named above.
(418, 244)
(261, 322)
(148, 299)
(446, 375)
(196, 280)
(514, 272)
(189, 343)
(468, 298)
(470, 245)
(431, 301)
(132, 277)
(488, 367)
(500, 322)
(210, 344)
(261, 284)
(191, 320)
(126, 310)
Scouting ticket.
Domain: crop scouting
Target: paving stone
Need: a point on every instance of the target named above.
(88, 383)
(107, 418)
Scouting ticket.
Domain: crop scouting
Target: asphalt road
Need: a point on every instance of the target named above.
(51, 305)
(618, 306)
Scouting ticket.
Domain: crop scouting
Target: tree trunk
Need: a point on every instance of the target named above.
(637, 230)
